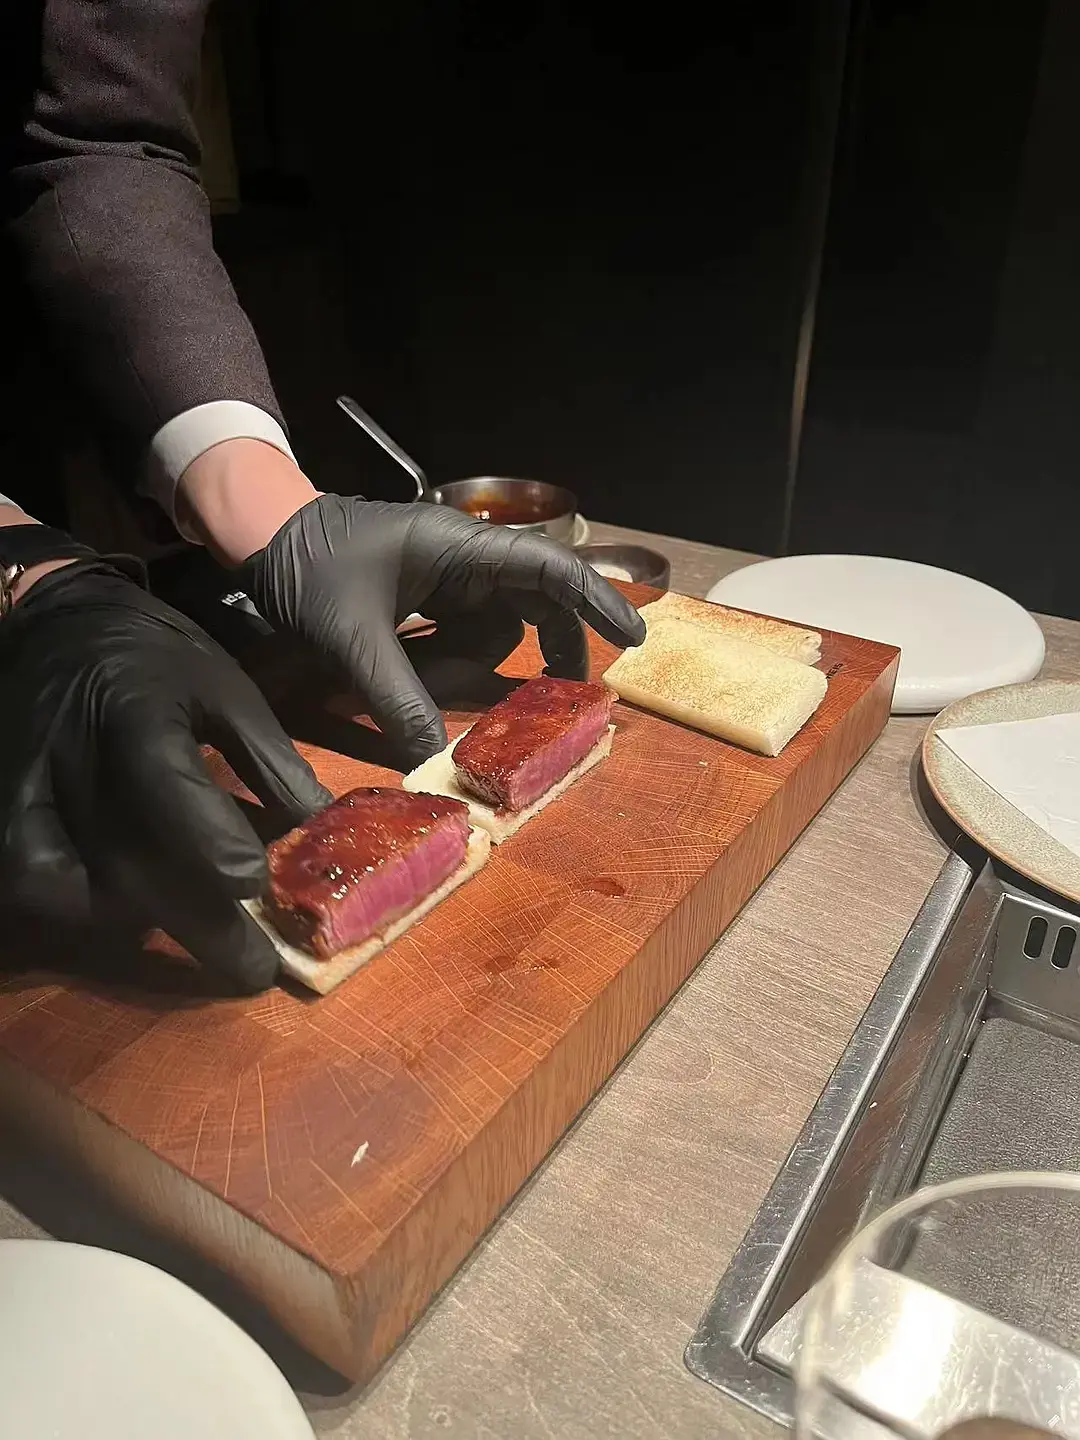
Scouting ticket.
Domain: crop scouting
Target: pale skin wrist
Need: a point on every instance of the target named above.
(12, 515)
(238, 494)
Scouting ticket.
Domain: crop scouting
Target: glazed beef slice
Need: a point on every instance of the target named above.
(362, 863)
(529, 741)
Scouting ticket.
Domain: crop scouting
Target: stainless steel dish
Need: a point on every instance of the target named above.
(628, 562)
(519, 504)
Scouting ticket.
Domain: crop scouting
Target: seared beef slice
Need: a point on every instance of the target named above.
(361, 864)
(529, 741)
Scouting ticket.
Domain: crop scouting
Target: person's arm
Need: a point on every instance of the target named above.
(113, 232)
(12, 514)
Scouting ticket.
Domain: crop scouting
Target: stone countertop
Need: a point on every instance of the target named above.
(571, 1316)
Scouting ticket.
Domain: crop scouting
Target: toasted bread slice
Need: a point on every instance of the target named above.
(438, 776)
(727, 687)
(326, 975)
(776, 635)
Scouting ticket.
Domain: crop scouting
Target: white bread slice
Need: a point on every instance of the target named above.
(438, 776)
(776, 635)
(726, 687)
(327, 975)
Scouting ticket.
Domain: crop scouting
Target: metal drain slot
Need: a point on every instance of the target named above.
(1035, 957)
(1035, 938)
(1063, 947)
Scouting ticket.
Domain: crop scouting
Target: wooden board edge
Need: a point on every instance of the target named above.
(179, 1211)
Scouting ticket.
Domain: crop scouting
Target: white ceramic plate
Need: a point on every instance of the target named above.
(956, 635)
(979, 810)
(98, 1346)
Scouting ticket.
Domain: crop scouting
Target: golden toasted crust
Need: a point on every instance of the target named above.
(775, 635)
(728, 687)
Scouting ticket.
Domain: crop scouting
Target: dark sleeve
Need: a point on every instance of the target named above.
(111, 226)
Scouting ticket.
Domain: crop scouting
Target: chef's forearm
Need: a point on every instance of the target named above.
(12, 514)
(236, 495)
(113, 230)
(119, 256)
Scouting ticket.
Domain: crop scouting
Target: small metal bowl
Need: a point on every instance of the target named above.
(519, 504)
(628, 562)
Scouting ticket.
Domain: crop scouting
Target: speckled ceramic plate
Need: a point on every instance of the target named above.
(980, 811)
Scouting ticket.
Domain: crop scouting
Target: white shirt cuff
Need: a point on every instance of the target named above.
(187, 436)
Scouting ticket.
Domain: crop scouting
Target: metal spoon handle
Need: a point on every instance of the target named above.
(392, 448)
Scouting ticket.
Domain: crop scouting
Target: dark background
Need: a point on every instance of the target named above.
(564, 241)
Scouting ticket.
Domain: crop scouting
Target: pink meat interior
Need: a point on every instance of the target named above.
(361, 864)
(531, 740)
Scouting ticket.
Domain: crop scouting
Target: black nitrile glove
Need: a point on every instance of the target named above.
(342, 573)
(106, 806)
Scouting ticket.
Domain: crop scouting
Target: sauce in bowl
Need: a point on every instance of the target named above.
(523, 510)
(529, 503)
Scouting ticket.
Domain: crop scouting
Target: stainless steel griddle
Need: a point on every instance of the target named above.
(967, 1060)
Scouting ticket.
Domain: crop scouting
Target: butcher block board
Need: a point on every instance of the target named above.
(339, 1156)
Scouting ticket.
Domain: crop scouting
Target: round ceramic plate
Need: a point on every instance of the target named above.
(101, 1346)
(980, 811)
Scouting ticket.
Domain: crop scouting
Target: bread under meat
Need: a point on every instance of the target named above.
(438, 776)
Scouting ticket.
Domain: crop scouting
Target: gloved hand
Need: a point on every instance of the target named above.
(342, 573)
(106, 806)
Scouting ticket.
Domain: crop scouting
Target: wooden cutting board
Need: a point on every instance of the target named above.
(339, 1156)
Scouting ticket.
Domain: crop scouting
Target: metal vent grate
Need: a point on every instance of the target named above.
(1035, 957)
